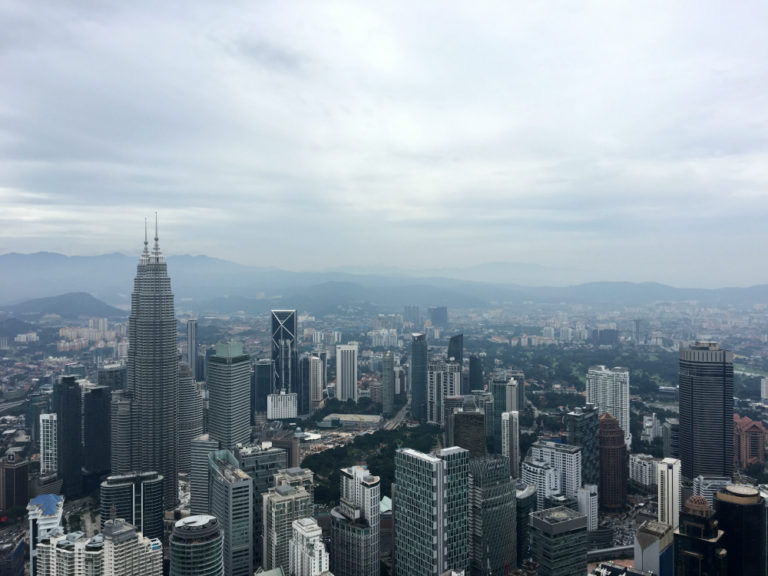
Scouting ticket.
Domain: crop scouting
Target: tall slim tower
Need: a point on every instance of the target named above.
(443, 381)
(510, 440)
(613, 464)
(388, 383)
(608, 389)
(197, 547)
(706, 410)
(229, 385)
(456, 349)
(48, 444)
(153, 370)
(346, 372)
(668, 487)
(419, 377)
(285, 351)
(67, 403)
(190, 424)
(192, 348)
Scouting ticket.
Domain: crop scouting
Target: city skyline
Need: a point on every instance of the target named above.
(507, 134)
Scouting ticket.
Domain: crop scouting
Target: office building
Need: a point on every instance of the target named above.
(525, 495)
(192, 349)
(468, 430)
(644, 471)
(654, 551)
(308, 556)
(113, 376)
(492, 517)
(699, 542)
(346, 372)
(451, 405)
(613, 464)
(285, 350)
(121, 432)
(476, 379)
(706, 410)
(582, 430)
(97, 422)
(14, 481)
(443, 381)
(388, 384)
(45, 513)
(543, 476)
(608, 389)
(316, 379)
(282, 406)
(231, 501)
(264, 382)
(136, 498)
(261, 462)
(565, 459)
(587, 500)
(708, 486)
(456, 349)
(355, 524)
(438, 316)
(559, 542)
(431, 511)
(229, 389)
(519, 378)
(670, 435)
(741, 513)
(281, 506)
(153, 371)
(669, 491)
(748, 441)
(197, 547)
(201, 448)
(67, 404)
(418, 379)
(48, 444)
(190, 424)
(505, 399)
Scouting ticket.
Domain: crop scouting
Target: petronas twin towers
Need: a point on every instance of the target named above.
(153, 371)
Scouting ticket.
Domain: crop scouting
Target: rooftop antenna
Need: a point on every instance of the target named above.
(156, 238)
(145, 232)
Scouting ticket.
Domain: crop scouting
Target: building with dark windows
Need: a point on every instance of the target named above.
(506, 398)
(431, 511)
(264, 384)
(741, 513)
(699, 543)
(121, 432)
(614, 465)
(229, 388)
(468, 431)
(67, 404)
(438, 316)
(153, 371)
(456, 349)
(706, 410)
(388, 384)
(559, 541)
(192, 348)
(197, 547)
(285, 350)
(670, 434)
(355, 525)
(113, 376)
(492, 517)
(190, 424)
(582, 428)
(97, 405)
(525, 496)
(136, 498)
(476, 379)
(419, 377)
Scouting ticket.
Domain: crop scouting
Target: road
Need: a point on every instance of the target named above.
(399, 417)
(5, 406)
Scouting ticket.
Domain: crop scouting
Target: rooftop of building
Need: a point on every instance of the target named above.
(230, 472)
(654, 528)
(48, 504)
(570, 448)
(557, 515)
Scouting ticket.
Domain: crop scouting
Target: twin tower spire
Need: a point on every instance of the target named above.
(156, 256)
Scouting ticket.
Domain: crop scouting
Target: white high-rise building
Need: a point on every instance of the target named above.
(608, 389)
(669, 491)
(708, 486)
(346, 372)
(510, 440)
(542, 475)
(587, 499)
(45, 513)
(308, 556)
(281, 406)
(443, 381)
(644, 469)
(565, 459)
(49, 450)
(315, 382)
(764, 390)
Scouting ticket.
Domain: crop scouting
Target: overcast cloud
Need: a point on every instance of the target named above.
(626, 138)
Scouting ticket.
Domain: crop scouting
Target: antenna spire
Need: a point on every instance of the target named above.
(145, 232)
(156, 238)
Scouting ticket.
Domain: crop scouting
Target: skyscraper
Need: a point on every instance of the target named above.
(741, 513)
(48, 444)
(431, 511)
(492, 516)
(113, 376)
(510, 440)
(559, 542)
(388, 383)
(706, 410)
(346, 372)
(355, 524)
(613, 464)
(476, 380)
(582, 428)
(197, 546)
(315, 382)
(443, 381)
(231, 501)
(264, 383)
(285, 350)
(136, 498)
(202, 446)
(699, 543)
(281, 506)
(308, 556)
(153, 371)
(456, 349)
(190, 424)
(229, 388)
(191, 352)
(543, 476)
(608, 389)
(505, 399)
(668, 487)
(67, 403)
(565, 459)
(419, 377)
(97, 404)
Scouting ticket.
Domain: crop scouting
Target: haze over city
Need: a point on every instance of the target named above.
(606, 141)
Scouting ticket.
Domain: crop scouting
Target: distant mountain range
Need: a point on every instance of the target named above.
(70, 306)
(209, 285)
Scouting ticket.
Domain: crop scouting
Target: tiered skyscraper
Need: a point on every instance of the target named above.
(706, 410)
(153, 370)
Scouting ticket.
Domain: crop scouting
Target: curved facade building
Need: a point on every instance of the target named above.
(190, 416)
(197, 547)
(137, 498)
(741, 514)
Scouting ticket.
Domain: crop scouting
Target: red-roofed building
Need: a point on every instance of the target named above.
(748, 441)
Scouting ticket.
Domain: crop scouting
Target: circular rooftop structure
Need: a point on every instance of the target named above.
(698, 506)
(742, 490)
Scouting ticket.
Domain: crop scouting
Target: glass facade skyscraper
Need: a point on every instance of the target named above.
(419, 377)
(229, 388)
(197, 547)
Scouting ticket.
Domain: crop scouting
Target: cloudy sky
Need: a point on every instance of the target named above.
(627, 140)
